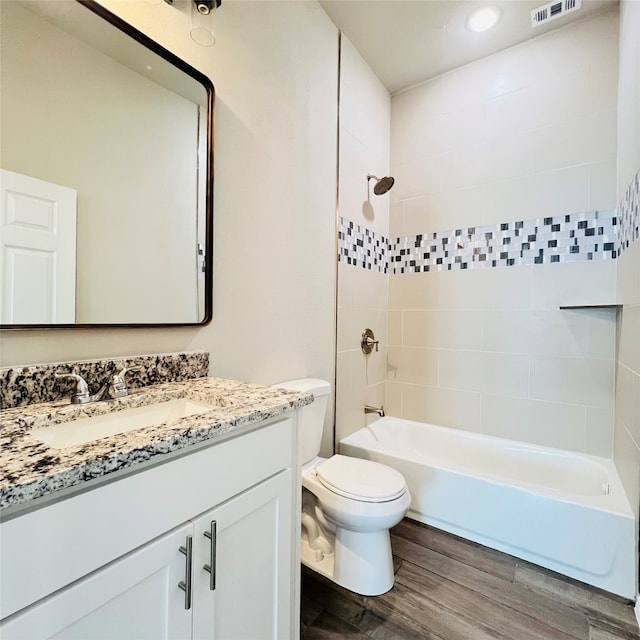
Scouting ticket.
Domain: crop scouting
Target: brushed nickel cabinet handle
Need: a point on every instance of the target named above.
(185, 584)
(211, 568)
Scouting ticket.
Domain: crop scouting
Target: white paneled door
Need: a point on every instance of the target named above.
(37, 251)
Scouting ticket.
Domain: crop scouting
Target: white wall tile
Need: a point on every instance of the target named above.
(538, 104)
(506, 158)
(599, 433)
(628, 282)
(463, 167)
(583, 381)
(394, 327)
(444, 407)
(393, 398)
(498, 373)
(602, 180)
(417, 178)
(396, 219)
(442, 329)
(352, 322)
(628, 152)
(580, 283)
(561, 191)
(361, 288)
(499, 288)
(629, 346)
(628, 400)
(412, 364)
(422, 214)
(563, 143)
(602, 135)
(589, 334)
(545, 423)
(466, 207)
(626, 453)
(499, 201)
(486, 79)
(604, 66)
(414, 291)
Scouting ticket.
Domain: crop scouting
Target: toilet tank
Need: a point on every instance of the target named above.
(312, 415)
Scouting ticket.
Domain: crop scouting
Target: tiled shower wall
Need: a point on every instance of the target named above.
(362, 293)
(627, 423)
(512, 143)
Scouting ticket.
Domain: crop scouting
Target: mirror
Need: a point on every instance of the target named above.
(106, 173)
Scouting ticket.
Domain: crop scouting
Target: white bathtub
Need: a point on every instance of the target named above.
(561, 510)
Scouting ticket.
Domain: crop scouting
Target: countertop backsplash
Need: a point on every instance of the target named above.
(32, 384)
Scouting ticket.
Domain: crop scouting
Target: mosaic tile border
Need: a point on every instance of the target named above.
(32, 384)
(629, 216)
(362, 247)
(570, 238)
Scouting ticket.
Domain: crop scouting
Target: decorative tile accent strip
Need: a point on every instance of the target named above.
(569, 238)
(21, 386)
(629, 216)
(362, 247)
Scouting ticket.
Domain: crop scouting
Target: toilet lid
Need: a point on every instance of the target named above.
(359, 479)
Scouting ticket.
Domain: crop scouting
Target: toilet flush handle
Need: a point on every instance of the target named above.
(367, 342)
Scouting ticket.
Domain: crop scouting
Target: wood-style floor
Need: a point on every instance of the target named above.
(447, 588)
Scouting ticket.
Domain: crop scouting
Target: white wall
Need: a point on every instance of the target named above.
(526, 133)
(274, 67)
(362, 293)
(627, 426)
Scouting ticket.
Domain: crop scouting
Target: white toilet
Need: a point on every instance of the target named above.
(348, 506)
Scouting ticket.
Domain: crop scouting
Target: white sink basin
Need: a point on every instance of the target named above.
(84, 430)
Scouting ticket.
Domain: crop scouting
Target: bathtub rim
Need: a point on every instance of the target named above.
(614, 501)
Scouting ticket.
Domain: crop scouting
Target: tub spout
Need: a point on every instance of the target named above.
(379, 410)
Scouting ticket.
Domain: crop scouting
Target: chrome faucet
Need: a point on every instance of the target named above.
(115, 388)
(379, 410)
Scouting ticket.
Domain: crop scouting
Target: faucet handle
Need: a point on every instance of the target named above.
(81, 393)
(118, 384)
(368, 341)
(121, 374)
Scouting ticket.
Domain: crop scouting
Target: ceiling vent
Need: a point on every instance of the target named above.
(553, 10)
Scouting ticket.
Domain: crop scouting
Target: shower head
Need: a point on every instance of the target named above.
(382, 184)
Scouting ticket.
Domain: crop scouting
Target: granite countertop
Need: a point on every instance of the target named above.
(32, 469)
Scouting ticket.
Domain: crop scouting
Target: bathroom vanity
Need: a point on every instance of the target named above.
(184, 529)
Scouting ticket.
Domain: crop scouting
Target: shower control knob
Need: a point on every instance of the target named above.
(368, 341)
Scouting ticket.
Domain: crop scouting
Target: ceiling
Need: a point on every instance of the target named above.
(406, 42)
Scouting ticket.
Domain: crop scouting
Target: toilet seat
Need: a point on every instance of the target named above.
(362, 480)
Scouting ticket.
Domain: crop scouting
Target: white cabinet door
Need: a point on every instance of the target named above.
(134, 598)
(253, 592)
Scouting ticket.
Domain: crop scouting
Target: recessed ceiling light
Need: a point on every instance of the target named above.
(483, 19)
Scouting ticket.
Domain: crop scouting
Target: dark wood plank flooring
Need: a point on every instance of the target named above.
(448, 588)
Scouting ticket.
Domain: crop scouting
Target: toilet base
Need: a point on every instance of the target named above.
(360, 562)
